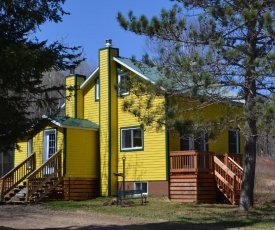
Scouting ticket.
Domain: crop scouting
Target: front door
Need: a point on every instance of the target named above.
(49, 148)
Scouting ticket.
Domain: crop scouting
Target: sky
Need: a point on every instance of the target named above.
(91, 22)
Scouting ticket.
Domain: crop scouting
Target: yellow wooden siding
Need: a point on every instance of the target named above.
(82, 153)
(80, 104)
(22, 153)
(70, 102)
(79, 98)
(91, 108)
(220, 145)
(38, 146)
(104, 132)
(149, 163)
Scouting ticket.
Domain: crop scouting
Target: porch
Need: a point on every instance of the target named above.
(27, 184)
(198, 176)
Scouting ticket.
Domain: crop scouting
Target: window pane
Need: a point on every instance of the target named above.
(126, 138)
(97, 89)
(232, 141)
(51, 144)
(137, 141)
(138, 186)
(124, 84)
(144, 187)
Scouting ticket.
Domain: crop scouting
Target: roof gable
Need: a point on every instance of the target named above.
(141, 69)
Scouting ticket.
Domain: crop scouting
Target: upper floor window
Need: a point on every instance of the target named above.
(97, 89)
(234, 141)
(123, 84)
(131, 138)
(195, 142)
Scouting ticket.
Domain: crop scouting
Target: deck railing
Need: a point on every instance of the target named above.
(238, 158)
(17, 175)
(192, 161)
(47, 171)
(226, 180)
(237, 169)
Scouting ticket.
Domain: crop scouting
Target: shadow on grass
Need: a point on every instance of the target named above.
(158, 226)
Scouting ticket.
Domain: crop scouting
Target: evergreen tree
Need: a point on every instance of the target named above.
(230, 44)
(23, 60)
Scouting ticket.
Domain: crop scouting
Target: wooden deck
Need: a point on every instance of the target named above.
(196, 176)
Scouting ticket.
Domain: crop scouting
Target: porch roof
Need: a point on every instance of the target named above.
(67, 122)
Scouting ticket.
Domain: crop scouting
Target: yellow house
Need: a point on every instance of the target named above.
(103, 148)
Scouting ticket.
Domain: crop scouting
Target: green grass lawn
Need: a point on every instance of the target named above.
(219, 216)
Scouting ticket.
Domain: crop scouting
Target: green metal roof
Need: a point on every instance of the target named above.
(145, 71)
(74, 123)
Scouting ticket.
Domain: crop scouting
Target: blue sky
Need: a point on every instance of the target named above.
(93, 21)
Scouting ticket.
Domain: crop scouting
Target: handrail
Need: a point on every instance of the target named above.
(191, 161)
(15, 176)
(48, 170)
(226, 180)
(237, 169)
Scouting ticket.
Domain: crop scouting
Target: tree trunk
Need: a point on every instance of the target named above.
(250, 150)
(247, 192)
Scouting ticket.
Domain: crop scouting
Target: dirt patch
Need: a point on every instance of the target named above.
(36, 217)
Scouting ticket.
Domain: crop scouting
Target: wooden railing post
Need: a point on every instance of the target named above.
(234, 190)
(27, 189)
(226, 159)
(59, 165)
(2, 190)
(196, 161)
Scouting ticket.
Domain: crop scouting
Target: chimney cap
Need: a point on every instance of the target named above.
(108, 42)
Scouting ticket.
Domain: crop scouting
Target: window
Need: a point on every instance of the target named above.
(234, 141)
(49, 143)
(131, 138)
(97, 89)
(123, 84)
(29, 152)
(141, 186)
(195, 142)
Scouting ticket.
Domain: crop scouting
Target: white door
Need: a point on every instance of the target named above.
(49, 148)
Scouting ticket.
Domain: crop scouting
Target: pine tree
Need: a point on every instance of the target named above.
(230, 44)
(23, 60)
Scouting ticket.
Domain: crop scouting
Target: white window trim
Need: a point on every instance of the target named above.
(144, 193)
(132, 139)
(30, 150)
(119, 81)
(46, 142)
(97, 92)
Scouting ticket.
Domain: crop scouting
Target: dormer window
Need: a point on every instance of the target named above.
(97, 89)
(123, 84)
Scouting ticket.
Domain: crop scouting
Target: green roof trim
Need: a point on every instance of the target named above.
(67, 122)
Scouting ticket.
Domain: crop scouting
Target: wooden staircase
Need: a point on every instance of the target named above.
(228, 177)
(24, 185)
(199, 176)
